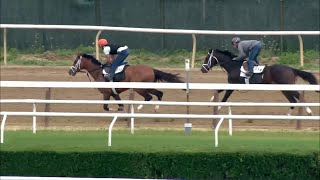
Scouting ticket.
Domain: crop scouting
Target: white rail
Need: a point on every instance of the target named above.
(168, 103)
(154, 30)
(130, 102)
(142, 115)
(165, 116)
(54, 84)
(145, 85)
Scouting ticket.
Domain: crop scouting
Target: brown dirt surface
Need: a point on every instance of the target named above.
(19, 73)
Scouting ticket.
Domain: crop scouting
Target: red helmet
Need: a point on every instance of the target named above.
(102, 42)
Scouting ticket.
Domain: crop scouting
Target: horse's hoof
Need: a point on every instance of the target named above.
(112, 109)
(140, 107)
(309, 111)
(156, 108)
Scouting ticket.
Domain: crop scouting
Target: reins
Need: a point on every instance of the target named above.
(88, 72)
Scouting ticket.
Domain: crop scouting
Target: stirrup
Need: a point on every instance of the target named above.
(107, 77)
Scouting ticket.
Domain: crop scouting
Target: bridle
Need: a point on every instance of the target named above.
(75, 68)
(208, 66)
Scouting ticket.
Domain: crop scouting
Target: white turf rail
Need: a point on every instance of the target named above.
(132, 115)
(177, 86)
(178, 116)
(167, 103)
(154, 30)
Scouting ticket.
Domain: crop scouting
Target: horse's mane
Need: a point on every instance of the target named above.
(93, 59)
(226, 52)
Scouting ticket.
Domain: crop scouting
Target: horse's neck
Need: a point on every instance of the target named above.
(230, 66)
(96, 74)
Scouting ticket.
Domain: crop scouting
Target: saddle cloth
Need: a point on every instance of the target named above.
(119, 69)
(256, 69)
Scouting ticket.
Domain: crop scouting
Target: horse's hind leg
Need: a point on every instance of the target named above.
(157, 93)
(293, 97)
(301, 99)
(144, 93)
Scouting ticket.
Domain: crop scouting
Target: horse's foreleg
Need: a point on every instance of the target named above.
(212, 98)
(117, 97)
(225, 97)
(106, 96)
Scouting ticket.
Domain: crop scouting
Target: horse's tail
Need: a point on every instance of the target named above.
(307, 76)
(160, 76)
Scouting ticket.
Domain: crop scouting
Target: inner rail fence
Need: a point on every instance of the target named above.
(132, 114)
(154, 30)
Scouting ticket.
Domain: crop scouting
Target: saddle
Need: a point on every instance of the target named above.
(119, 73)
(257, 76)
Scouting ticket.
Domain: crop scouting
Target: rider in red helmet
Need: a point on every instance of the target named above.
(110, 50)
(247, 49)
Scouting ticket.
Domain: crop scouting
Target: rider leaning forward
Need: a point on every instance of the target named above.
(247, 48)
(110, 50)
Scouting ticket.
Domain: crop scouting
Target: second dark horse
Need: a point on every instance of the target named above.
(274, 74)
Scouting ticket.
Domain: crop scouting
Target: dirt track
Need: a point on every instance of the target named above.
(216, 76)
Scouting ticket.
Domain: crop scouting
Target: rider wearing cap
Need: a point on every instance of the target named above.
(247, 48)
(110, 50)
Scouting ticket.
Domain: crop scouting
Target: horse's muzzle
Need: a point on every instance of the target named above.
(72, 72)
(203, 70)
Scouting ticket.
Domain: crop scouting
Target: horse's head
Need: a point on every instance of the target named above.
(214, 58)
(76, 66)
(82, 61)
(209, 61)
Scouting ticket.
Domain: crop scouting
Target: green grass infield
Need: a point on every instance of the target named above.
(300, 142)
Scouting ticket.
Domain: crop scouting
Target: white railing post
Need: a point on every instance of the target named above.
(97, 46)
(301, 50)
(5, 46)
(230, 121)
(2, 127)
(132, 119)
(194, 48)
(216, 132)
(34, 119)
(110, 130)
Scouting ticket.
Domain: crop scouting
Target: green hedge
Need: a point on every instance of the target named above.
(217, 165)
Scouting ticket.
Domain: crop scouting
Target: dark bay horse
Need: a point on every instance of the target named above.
(276, 74)
(133, 73)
